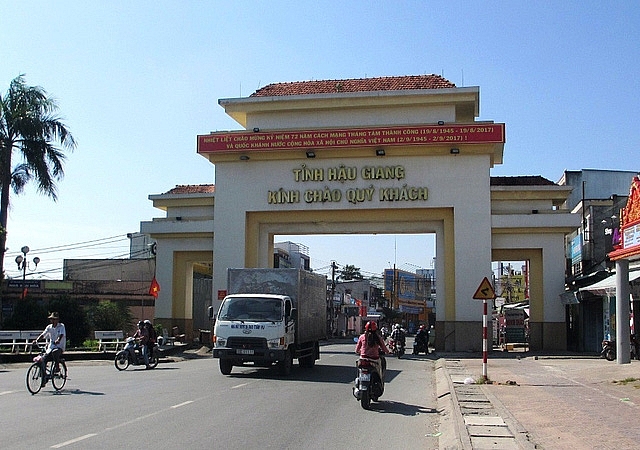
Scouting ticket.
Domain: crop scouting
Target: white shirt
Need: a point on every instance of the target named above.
(51, 333)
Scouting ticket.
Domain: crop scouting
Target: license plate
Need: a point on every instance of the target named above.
(365, 377)
(244, 351)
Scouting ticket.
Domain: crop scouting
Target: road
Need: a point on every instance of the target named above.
(190, 404)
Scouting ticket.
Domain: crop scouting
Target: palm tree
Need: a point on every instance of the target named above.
(30, 127)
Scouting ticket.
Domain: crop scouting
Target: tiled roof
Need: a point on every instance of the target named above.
(193, 189)
(526, 180)
(355, 85)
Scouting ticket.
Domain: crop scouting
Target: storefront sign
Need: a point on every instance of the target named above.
(242, 141)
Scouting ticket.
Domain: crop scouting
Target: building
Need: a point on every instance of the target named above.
(376, 155)
(598, 196)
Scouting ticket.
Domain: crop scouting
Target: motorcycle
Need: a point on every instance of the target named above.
(609, 349)
(131, 354)
(420, 347)
(396, 348)
(369, 385)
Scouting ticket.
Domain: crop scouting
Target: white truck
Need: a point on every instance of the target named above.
(270, 316)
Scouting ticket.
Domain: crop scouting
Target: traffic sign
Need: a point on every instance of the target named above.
(485, 291)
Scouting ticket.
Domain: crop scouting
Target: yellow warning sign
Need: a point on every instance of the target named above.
(485, 291)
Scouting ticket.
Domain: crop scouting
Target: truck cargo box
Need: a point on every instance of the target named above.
(308, 292)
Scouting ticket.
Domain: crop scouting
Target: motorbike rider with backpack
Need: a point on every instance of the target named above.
(370, 345)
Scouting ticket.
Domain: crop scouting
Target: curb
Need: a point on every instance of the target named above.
(454, 432)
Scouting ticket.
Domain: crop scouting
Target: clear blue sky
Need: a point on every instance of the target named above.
(137, 81)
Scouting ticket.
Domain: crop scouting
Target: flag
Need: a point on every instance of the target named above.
(154, 288)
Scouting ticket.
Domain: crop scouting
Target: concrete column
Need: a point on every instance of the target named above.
(623, 347)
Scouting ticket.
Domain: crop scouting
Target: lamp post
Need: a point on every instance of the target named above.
(22, 263)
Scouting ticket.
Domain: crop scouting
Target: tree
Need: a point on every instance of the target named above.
(350, 272)
(74, 317)
(29, 126)
(108, 315)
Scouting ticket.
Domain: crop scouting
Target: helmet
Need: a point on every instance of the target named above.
(371, 326)
(422, 327)
(148, 322)
(140, 324)
(397, 326)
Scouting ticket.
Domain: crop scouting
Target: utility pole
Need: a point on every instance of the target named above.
(333, 292)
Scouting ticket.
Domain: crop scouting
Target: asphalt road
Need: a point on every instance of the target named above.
(190, 404)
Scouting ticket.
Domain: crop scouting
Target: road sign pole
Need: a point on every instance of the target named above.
(484, 340)
(484, 292)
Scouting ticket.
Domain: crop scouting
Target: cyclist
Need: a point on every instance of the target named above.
(56, 337)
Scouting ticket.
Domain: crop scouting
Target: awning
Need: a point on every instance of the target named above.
(608, 285)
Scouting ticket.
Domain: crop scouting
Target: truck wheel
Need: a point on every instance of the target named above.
(309, 361)
(286, 365)
(225, 366)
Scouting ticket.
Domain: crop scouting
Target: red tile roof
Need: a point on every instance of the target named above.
(193, 189)
(354, 85)
(526, 180)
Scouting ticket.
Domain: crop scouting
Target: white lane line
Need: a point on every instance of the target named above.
(7, 392)
(73, 441)
(239, 385)
(181, 404)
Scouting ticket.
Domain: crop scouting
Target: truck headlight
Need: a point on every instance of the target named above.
(274, 343)
(220, 342)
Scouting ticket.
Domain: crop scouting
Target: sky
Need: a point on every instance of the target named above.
(136, 82)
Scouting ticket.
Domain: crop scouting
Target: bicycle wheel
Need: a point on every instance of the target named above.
(34, 378)
(59, 379)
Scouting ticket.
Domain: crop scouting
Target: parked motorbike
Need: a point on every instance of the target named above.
(131, 354)
(369, 385)
(609, 349)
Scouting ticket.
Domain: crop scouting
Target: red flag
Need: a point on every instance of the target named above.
(154, 288)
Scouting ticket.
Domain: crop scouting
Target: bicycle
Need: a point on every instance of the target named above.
(40, 372)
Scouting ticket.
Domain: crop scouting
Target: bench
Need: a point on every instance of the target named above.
(28, 337)
(10, 339)
(109, 338)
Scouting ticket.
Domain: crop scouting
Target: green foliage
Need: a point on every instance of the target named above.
(28, 314)
(74, 317)
(350, 272)
(31, 314)
(109, 315)
(29, 133)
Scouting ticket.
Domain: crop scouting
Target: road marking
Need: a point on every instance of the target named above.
(73, 441)
(181, 404)
(7, 392)
(239, 385)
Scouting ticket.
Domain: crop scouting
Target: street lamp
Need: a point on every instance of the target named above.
(22, 263)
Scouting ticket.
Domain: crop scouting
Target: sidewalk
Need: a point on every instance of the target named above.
(551, 402)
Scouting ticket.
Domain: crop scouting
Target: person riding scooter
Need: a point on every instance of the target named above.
(399, 336)
(371, 346)
(421, 342)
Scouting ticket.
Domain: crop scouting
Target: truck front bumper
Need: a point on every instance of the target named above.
(258, 355)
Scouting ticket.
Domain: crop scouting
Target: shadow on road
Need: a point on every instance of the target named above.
(391, 407)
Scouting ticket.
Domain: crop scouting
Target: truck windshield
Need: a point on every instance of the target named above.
(251, 309)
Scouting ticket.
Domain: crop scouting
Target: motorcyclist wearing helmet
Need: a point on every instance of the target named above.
(370, 344)
(152, 335)
(398, 334)
(143, 335)
(422, 338)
